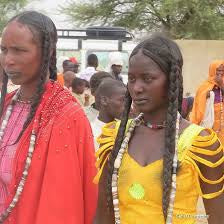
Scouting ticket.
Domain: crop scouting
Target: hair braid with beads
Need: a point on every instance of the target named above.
(117, 146)
(167, 55)
(3, 92)
(45, 34)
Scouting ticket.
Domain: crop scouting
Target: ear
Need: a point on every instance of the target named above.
(103, 101)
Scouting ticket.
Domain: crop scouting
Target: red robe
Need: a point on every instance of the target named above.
(59, 187)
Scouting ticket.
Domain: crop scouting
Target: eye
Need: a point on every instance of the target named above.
(3, 49)
(148, 78)
(19, 50)
(131, 79)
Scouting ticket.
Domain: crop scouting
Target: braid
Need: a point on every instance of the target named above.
(167, 55)
(180, 99)
(116, 148)
(42, 80)
(53, 67)
(170, 134)
(3, 93)
(45, 35)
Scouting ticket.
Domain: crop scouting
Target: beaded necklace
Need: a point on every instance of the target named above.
(154, 126)
(21, 184)
(221, 112)
(117, 163)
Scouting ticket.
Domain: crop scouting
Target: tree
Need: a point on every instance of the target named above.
(189, 19)
(8, 8)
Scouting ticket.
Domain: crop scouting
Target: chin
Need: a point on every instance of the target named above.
(16, 82)
(142, 109)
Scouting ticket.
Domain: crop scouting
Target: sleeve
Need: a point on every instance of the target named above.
(68, 192)
(106, 141)
(85, 148)
(206, 156)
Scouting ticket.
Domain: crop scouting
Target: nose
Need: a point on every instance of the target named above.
(138, 87)
(7, 60)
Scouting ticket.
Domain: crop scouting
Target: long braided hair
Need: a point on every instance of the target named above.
(167, 55)
(45, 34)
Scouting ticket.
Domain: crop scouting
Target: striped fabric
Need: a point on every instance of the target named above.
(8, 148)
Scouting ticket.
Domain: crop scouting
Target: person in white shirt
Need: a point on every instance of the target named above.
(92, 64)
(109, 97)
(116, 64)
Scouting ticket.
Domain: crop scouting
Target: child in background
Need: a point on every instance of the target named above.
(78, 88)
(91, 111)
(109, 98)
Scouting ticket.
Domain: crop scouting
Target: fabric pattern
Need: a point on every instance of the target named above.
(140, 188)
(8, 149)
(59, 186)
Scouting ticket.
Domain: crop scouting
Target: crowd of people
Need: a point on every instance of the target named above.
(156, 153)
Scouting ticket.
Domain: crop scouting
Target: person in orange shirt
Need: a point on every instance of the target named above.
(212, 90)
(153, 168)
(46, 146)
(67, 66)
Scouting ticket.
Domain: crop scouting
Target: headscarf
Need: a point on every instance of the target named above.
(201, 95)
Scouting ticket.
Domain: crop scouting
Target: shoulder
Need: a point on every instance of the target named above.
(205, 148)
(207, 139)
(72, 111)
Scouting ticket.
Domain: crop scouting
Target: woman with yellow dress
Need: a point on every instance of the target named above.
(152, 169)
(208, 104)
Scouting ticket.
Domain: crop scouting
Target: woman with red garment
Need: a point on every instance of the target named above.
(46, 144)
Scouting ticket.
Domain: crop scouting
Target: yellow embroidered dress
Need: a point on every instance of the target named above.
(140, 188)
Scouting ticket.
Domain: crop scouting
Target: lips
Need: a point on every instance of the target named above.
(140, 101)
(12, 74)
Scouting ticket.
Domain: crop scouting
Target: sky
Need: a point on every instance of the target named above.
(50, 8)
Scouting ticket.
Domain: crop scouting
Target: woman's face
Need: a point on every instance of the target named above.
(220, 71)
(20, 54)
(147, 84)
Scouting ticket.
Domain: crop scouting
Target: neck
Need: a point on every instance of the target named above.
(115, 74)
(67, 85)
(28, 90)
(76, 92)
(156, 117)
(104, 117)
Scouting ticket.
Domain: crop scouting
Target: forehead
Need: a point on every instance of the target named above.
(119, 91)
(16, 33)
(69, 75)
(220, 67)
(141, 63)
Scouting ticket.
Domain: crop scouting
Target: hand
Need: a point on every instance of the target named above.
(87, 97)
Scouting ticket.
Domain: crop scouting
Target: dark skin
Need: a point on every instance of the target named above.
(219, 76)
(116, 69)
(68, 78)
(113, 106)
(21, 58)
(148, 88)
(219, 79)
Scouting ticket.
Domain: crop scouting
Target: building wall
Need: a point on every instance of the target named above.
(198, 54)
